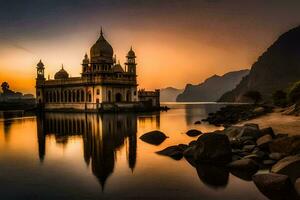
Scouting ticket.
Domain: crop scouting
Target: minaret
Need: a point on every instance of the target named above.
(131, 64)
(40, 69)
(39, 85)
(85, 64)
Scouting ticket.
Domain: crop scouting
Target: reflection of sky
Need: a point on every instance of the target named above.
(66, 174)
(197, 38)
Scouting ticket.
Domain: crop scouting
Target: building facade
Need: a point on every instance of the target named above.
(103, 85)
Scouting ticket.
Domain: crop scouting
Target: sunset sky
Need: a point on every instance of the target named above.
(176, 41)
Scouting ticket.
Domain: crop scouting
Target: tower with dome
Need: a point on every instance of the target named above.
(104, 85)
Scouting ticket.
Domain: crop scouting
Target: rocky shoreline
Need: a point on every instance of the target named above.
(246, 152)
(233, 114)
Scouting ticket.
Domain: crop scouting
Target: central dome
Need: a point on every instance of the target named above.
(102, 50)
(61, 74)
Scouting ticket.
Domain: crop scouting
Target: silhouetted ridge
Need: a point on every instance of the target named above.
(275, 69)
(212, 88)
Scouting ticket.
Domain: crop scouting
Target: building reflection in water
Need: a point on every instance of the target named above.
(102, 136)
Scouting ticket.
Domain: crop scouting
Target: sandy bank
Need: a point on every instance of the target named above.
(279, 122)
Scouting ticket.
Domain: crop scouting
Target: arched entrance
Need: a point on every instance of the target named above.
(118, 97)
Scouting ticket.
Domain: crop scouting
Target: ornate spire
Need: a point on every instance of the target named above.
(101, 31)
(62, 66)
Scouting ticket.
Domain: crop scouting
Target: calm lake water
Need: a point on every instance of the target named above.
(89, 156)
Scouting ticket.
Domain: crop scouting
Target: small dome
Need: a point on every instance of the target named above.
(118, 68)
(40, 64)
(61, 74)
(131, 53)
(101, 50)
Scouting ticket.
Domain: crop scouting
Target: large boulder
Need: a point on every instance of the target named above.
(212, 148)
(275, 186)
(286, 145)
(289, 166)
(193, 133)
(175, 152)
(153, 137)
(249, 131)
(212, 175)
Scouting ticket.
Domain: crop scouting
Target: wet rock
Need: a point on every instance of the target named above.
(236, 157)
(244, 168)
(232, 132)
(254, 157)
(275, 186)
(297, 186)
(189, 152)
(267, 131)
(289, 166)
(174, 152)
(248, 147)
(276, 156)
(261, 154)
(213, 176)
(197, 122)
(252, 125)
(212, 148)
(244, 165)
(193, 133)
(250, 131)
(182, 147)
(263, 142)
(194, 142)
(287, 145)
(269, 162)
(153, 137)
(259, 110)
(249, 142)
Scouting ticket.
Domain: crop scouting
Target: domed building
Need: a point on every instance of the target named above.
(104, 85)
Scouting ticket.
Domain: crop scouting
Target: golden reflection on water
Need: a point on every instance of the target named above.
(84, 151)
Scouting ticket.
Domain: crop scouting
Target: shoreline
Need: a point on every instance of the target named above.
(280, 123)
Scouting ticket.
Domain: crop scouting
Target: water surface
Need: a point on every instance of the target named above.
(89, 156)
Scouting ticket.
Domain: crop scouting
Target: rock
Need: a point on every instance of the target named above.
(248, 147)
(235, 157)
(197, 122)
(250, 131)
(280, 135)
(267, 131)
(245, 165)
(263, 142)
(259, 110)
(232, 132)
(254, 157)
(212, 148)
(252, 125)
(243, 168)
(183, 147)
(174, 152)
(249, 142)
(276, 156)
(297, 186)
(193, 133)
(274, 186)
(286, 145)
(153, 137)
(213, 176)
(261, 154)
(289, 166)
(194, 142)
(189, 152)
(269, 162)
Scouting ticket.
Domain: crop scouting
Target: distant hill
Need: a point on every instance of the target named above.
(275, 69)
(212, 88)
(169, 94)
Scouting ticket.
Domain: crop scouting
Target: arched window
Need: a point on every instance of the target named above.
(50, 97)
(82, 95)
(90, 97)
(65, 96)
(128, 96)
(78, 96)
(69, 96)
(54, 96)
(74, 96)
(57, 96)
(109, 96)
